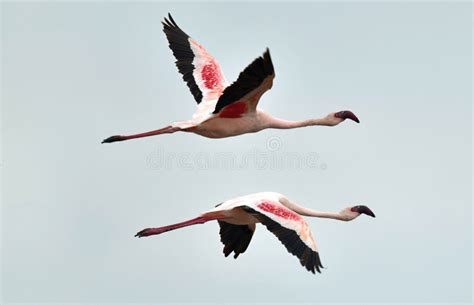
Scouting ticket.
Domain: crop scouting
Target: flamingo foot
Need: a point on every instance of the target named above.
(150, 231)
(114, 139)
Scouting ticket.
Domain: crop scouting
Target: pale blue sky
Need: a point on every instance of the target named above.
(73, 74)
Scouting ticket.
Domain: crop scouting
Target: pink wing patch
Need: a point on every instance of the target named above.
(234, 110)
(279, 211)
(210, 75)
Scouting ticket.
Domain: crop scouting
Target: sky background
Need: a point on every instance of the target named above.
(73, 74)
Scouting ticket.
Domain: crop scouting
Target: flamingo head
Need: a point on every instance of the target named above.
(338, 117)
(353, 212)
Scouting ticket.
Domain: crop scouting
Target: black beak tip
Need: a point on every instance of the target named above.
(362, 209)
(347, 114)
(369, 213)
(350, 115)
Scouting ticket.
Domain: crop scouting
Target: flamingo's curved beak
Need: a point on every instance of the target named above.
(362, 209)
(346, 114)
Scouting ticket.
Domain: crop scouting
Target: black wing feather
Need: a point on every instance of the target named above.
(179, 44)
(248, 80)
(236, 238)
(291, 240)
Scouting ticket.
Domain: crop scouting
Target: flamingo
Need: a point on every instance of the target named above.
(237, 218)
(225, 110)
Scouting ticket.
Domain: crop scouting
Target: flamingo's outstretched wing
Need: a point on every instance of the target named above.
(291, 229)
(236, 238)
(200, 70)
(243, 95)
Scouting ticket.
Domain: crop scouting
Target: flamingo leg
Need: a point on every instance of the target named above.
(167, 129)
(159, 230)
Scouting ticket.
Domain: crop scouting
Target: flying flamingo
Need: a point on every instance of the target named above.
(237, 218)
(225, 110)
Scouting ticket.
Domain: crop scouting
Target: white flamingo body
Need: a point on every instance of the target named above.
(270, 204)
(254, 201)
(237, 219)
(224, 110)
(217, 127)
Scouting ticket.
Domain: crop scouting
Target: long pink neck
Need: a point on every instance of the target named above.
(321, 214)
(285, 124)
(312, 213)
